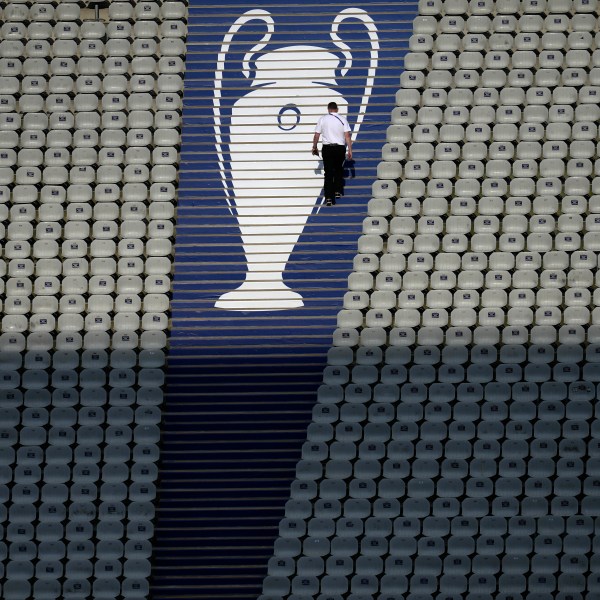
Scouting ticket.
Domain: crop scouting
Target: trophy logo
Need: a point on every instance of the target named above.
(272, 182)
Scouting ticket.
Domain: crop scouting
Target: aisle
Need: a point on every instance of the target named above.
(242, 384)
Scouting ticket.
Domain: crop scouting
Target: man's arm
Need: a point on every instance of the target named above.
(316, 137)
(348, 137)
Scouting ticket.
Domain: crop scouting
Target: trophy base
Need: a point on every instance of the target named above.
(249, 297)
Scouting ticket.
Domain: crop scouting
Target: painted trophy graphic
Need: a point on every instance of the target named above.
(275, 183)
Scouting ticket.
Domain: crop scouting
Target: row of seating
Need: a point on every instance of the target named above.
(77, 587)
(392, 375)
(457, 325)
(118, 52)
(87, 490)
(107, 529)
(576, 34)
(449, 505)
(18, 252)
(384, 410)
(77, 549)
(480, 131)
(518, 220)
(57, 89)
(90, 36)
(95, 359)
(541, 24)
(544, 474)
(34, 139)
(512, 98)
(393, 369)
(56, 435)
(542, 210)
(505, 7)
(110, 162)
(85, 457)
(91, 340)
(351, 423)
(46, 11)
(486, 546)
(93, 321)
(40, 378)
(444, 170)
(451, 587)
(420, 273)
(65, 415)
(34, 157)
(89, 138)
(553, 69)
(374, 517)
(455, 454)
(104, 567)
(475, 354)
(443, 296)
(520, 78)
(126, 279)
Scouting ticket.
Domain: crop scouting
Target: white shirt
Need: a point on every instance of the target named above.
(332, 128)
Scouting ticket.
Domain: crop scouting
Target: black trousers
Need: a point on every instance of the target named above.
(333, 165)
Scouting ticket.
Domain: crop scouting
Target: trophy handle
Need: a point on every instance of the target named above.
(361, 15)
(251, 15)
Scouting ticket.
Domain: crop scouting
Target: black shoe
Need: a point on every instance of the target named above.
(328, 202)
(338, 195)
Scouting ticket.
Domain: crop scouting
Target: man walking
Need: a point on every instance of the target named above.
(336, 136)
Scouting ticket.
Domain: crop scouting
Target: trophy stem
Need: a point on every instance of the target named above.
(267, 250)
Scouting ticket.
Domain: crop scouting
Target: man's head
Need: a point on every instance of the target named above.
(332, 107)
